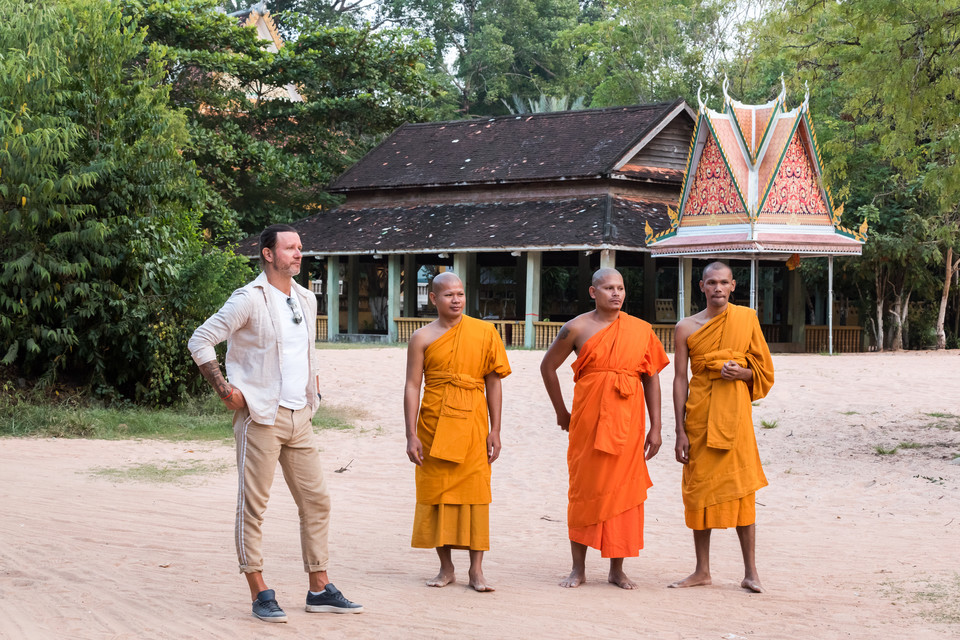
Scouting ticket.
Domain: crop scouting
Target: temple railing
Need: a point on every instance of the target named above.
(512, 332)
(845, 339)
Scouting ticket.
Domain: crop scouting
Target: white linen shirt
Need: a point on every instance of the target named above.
(249, 323)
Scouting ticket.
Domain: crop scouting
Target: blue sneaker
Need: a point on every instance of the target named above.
(330, 600)
(266, 608)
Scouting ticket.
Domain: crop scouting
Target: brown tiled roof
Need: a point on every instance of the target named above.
(542, 146)
(572, 222)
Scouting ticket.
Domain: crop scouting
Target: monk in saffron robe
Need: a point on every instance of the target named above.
(731, 367)
(460, 360)
(618, 366)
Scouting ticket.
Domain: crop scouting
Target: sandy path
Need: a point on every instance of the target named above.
(851, 544)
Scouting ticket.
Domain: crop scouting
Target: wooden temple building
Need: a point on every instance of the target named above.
(513, 202)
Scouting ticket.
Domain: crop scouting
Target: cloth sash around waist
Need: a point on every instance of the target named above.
(726, 396)
(613, 421)
(451, 440)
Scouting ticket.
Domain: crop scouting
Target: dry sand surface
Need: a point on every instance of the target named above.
(851, 543)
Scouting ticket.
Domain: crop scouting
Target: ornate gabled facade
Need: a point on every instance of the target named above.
(754, 186)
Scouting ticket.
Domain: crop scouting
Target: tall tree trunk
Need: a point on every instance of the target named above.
(899, 308)
(950, 268)
(880, 283)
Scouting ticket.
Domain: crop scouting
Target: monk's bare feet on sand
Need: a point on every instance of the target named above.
(574, 580)
(692, 580)
(479, 583)
(443, 579)
(620, 579)
(752, 584)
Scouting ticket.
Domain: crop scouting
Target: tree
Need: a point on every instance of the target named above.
(269, 154)
(896, 69)
(498, 47)
(649, 50)
(100, 241)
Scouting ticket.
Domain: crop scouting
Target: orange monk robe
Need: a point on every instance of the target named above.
(608, 475)
(724, 470)
(453, 484)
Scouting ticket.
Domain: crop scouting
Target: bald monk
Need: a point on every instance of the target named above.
(448, 436)
(731, 367)
(617, 354)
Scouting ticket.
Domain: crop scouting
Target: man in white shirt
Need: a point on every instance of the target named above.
(270, 329)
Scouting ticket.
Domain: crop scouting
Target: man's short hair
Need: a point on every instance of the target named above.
(716, 264)
(268, 239)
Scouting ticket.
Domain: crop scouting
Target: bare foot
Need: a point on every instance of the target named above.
(479, 583)
(620, 579)
(692, 580)
(752, 584)
(574, 580)
(443, 579)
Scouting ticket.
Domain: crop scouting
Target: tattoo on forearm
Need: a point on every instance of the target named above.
(211, 373)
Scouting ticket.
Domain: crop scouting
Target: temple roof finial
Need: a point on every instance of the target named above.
(783, 90)
(699, 99)
(726, 96)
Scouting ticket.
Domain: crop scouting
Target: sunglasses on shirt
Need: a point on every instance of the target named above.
(297, 316)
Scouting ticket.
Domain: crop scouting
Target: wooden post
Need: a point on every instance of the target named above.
(583, 282)
(393, 295)
(681, 292)
(353, 294)
(333, 298)
(410, 272)
(608, 259)
(649, 288)
(532, 313)
(753, 283)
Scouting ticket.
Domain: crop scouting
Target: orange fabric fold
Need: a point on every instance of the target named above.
(608, 475)
(724, 461)
(453, 423)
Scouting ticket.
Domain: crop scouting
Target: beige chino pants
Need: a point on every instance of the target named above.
(291, 442)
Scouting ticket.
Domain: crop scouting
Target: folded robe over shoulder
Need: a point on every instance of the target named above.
(608, 473)
(453, 427)
(724, 462)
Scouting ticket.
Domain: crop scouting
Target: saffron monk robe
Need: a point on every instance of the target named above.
(618, 365)
(731, 367)
(460, 360)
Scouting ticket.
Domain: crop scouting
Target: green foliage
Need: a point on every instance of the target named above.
(647, 51)
(99, 227)
(501, 47)
(270, 130)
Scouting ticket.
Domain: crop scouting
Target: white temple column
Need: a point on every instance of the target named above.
(830, 304)
(532, 312)
(608, 259)
(333, 298)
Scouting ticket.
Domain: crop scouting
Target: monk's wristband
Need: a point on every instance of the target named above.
(229, 395)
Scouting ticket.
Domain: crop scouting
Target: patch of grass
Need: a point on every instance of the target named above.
(940, 414)
(170, 471)
(202, 418)
(931, 479)
(755, 404)
(914, 445)
(336, 417)
(938, 599)
(884, 450)
(769, 424)
(849, 413)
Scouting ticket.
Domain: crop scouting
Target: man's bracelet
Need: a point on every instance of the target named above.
(229, 395)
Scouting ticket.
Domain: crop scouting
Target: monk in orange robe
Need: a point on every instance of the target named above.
(731, 367)
(618, 366)
(448, 437)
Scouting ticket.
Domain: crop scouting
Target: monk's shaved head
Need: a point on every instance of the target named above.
(602, 274)
(715, 266)
(445, 280)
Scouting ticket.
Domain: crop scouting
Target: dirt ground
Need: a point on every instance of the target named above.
(858, 533)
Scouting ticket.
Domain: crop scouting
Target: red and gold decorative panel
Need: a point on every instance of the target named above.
(713, 197)
(795, 196)
(763, 118)
(779, 138)
(728, 140)
(745, 120)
